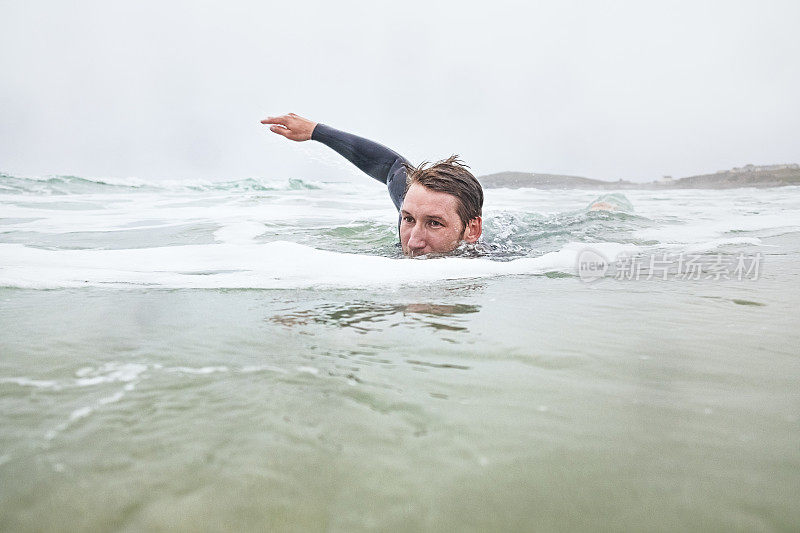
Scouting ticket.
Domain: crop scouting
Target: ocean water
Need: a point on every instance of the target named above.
(257, 355)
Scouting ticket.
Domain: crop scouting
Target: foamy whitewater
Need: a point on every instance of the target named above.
(257, 354)
(71, 232)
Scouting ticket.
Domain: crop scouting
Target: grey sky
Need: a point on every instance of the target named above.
(607, 90)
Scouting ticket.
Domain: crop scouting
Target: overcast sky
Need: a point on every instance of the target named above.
(608, 90)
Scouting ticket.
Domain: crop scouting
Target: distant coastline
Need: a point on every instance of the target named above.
(761, 176)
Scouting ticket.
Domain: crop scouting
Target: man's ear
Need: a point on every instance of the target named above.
(473, 230)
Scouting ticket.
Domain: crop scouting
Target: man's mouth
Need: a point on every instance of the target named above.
(416, 253)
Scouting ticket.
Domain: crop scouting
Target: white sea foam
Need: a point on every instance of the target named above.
(709, 228)
(715, 244)
(240, 214)
(154, 212)
(28, 382)
(85, 411)
(112, 372)
(129, 374)
(109, 373)
(271, 265)
(237, 212)
(200, 370)
(260, 368)
(239, 232)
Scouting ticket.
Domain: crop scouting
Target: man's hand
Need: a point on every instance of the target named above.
(291, 126)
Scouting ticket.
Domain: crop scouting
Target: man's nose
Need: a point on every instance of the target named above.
(416, 240)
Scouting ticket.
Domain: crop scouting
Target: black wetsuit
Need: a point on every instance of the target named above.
(376, 160)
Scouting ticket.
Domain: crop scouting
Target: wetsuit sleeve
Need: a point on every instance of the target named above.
(374, 159)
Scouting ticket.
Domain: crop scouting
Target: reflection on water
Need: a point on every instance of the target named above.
(364, 316)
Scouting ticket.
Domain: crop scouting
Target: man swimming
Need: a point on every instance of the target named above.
(440, 205)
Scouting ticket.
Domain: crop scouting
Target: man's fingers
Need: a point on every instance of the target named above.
(292, 126)
(279, 130)
(275, 120)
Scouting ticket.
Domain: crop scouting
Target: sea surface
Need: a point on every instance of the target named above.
(257, 355)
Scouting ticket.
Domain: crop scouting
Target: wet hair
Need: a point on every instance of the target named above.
(452, 177)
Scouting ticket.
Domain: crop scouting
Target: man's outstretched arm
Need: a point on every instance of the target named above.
(374, 159)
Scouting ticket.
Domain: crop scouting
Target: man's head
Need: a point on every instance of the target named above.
(441, 208)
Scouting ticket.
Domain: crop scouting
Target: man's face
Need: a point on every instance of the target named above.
(430, 222)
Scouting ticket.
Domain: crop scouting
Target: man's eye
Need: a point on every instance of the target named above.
(435, 223)
(408, 219)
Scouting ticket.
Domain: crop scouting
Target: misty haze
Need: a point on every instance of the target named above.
(420, 266)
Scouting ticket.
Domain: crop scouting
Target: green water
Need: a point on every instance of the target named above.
(519, 403)
(437, 400)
